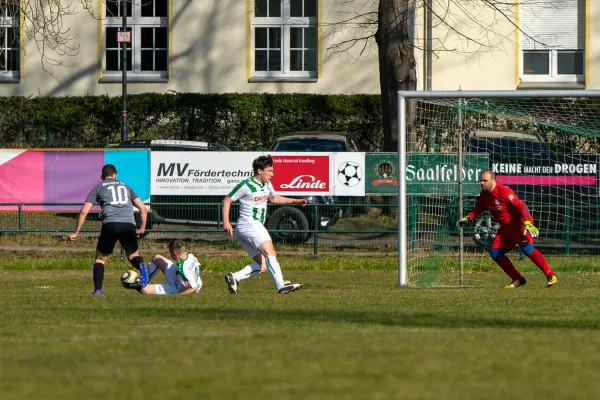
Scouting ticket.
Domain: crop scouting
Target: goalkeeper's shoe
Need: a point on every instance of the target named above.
(288, 288)
(552, 280)
(97, 292)
(232, 284)
(516, 283)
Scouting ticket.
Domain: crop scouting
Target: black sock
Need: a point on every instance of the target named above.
(98, 275)
(137, 261)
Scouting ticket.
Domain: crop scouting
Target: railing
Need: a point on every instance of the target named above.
(370, 227)
(315, 226)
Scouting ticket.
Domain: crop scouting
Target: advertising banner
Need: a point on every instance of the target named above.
(548, 175)
(349, 169)
(303, 174)
(67, 176)
(426, 173)
(217, 173)
(381, 173)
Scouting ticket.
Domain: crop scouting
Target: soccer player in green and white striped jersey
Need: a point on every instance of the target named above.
(182, 275)
(253, 195)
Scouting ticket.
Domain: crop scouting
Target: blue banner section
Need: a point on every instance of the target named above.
(133, 168)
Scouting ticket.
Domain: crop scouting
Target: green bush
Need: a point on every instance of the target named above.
(242, 121)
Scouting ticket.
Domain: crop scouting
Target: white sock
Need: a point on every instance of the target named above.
(275, 271)
(247, 272)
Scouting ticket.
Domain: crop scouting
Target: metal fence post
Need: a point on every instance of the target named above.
(414, 206)
(568, 228)
(47, 121)
(316, 233)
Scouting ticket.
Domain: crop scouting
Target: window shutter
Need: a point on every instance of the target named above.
(553, 24)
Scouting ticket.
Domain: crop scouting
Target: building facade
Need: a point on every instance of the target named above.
(285, 46)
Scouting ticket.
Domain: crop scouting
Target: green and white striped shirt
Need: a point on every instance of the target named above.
(188, 273)
(253, 197)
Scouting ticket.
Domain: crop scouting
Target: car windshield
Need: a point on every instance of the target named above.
(309, 145)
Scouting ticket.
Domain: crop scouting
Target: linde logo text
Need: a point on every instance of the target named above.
(304, 182)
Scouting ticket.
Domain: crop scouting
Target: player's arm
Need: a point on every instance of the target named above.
(85, 209)
(471, 215)
(286, 200)
(143, 215)
(189, 290)
(512, 200)
(478, 209)
(225, 207)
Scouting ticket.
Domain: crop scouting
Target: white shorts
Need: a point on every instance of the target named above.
(251, 236)
(171, 278)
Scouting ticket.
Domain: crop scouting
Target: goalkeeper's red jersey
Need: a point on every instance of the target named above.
(504, 205)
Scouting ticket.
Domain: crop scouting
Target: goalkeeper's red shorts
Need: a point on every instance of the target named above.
(510, 235)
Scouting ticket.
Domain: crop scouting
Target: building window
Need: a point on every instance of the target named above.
(552, 41)
(148, 52)
(10, 46)
(284, 40)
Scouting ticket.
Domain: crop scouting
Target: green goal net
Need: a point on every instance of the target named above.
(545, 146)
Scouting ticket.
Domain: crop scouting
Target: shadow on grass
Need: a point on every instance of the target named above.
(401, 318)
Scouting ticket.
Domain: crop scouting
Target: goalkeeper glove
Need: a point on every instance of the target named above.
(463, 221)
(531, 229)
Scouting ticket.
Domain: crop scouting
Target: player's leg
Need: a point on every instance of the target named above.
(538, 259)
(98, 274)
(158, 263)
(244, 236)
(129, 242)
(169, 268)
(247, 237)
(501, 245)
(251, 270)
(267, 249)
(159, 290)
(104, 248)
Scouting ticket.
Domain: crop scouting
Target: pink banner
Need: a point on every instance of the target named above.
(558, 180)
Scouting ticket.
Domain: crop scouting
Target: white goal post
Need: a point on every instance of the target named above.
(446, 116)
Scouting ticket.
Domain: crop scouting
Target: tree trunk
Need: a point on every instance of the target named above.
(396, 66)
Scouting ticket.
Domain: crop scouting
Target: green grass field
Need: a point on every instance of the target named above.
(350, 333)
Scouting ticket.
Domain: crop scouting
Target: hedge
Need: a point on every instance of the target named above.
(239, 120)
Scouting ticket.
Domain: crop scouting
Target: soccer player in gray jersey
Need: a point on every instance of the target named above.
(116, 200)
(253, 195)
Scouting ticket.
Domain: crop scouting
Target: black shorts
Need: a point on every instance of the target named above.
(124, 232)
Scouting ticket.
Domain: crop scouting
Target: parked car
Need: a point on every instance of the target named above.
(173, 145)
(285, 218)
(314, 142)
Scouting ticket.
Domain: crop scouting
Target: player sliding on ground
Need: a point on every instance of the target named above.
(182, 275)
(253, 195)
(516, 228)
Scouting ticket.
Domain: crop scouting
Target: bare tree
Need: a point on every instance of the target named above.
(467, 27)
(44, 23)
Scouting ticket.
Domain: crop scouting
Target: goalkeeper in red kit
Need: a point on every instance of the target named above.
(516, 228)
